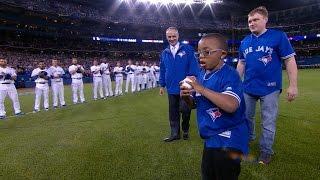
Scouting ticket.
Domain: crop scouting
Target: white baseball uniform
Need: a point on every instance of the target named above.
(152, 78)
(118, 73)
(145, 76)
(130, 77)
(77, 83)
(42, 89)
(138, 75)
(157, 73)
(7, 88)
(106, 79)
(56, 73)
(97, 81)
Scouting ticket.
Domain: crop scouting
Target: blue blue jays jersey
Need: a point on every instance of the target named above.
(263, 57)
(219, 128)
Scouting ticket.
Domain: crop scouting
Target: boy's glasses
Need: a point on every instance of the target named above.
(206, 53)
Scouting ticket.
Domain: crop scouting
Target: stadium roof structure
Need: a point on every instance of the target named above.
(175, 1)
(219, 9)
(192, 14)
(273, 5)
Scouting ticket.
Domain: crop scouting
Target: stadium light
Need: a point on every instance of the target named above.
(318, 35)
(151, 41)
(187, 2)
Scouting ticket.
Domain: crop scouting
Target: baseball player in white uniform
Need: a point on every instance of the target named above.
(56, 73)
(106, 79)
(7, 77)
(138, 75)
(152, 77)
(97, 80)
(41, 77)
(157, 72)
(145, 76)
(130, 76)
(118, 73)
(76, 72)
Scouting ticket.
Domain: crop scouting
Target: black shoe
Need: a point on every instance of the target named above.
(185, 136)
(171, 138)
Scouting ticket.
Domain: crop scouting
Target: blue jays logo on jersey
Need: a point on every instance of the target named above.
(182, 53)
(214, 113)
(265, 59)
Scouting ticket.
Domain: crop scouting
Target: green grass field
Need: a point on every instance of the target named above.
(121, 138)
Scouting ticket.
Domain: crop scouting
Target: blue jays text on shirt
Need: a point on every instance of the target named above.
(265, 49)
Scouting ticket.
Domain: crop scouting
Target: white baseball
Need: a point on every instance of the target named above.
(186, 82)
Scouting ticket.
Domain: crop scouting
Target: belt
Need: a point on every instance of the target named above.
(96, 76)
(6, 83)
(107, 73)
(76, 78)
(41, 82)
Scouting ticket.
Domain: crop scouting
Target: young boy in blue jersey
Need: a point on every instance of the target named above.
(217, 91)
(261, 55)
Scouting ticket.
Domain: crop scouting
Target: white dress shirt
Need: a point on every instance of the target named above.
(174, 49)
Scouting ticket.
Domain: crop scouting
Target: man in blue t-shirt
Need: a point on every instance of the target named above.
(261, 55)
(176, 62)
(220, 110)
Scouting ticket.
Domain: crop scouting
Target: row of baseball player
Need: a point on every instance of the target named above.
(141, 77)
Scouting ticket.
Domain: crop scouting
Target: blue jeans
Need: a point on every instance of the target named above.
(269, 113)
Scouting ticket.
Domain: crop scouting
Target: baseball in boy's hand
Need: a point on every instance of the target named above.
(185, 83)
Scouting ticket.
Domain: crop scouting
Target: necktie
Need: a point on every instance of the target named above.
(173, 51)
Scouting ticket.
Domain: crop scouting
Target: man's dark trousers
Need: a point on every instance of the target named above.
(177, 105)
